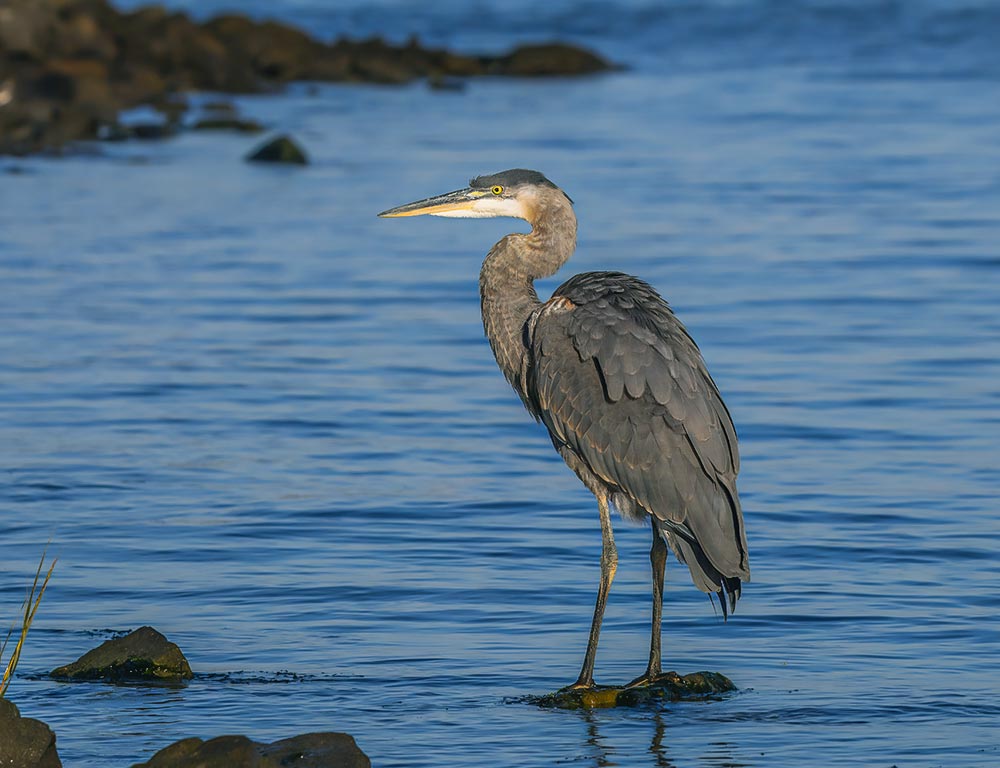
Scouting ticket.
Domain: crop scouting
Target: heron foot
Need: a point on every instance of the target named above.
(640, 681)
(579, 685)
(648, 677)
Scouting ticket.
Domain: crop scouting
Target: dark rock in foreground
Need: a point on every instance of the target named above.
(310, 750)
(280, 149)
(668, 687)
(69, 67)
(142, 655)
(24, 742)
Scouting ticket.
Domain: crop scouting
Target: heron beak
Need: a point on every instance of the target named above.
(450, 204)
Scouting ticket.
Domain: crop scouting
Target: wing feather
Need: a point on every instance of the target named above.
(616, 379)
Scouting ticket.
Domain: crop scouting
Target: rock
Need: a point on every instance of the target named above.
(23, 28)
(273, 51)
(221, 115)
(223, 123)
(140, 83)
(90, 79)
(667, 687)
(144, 654)
(38, 125)
(310, 750)
(24, 742)
(87, 28)
(438, 82)
(453, 64)
(280, 149)
(69, 67)
(53, 86)
(374, 61)
(185, 54)
(220, 107)
(150, 131)
(552, 59)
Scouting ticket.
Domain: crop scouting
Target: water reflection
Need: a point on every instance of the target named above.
(602, 752)
(721, 756)
(658, 747)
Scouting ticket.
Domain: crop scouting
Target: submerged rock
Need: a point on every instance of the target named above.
(280, 149)
(141, 655)
(310, 750)
(24, 742)
(667, 687)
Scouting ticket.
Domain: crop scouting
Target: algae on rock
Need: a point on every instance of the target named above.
(144, 654)
(667, 687)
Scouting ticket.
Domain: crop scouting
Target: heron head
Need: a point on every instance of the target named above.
(513, 193)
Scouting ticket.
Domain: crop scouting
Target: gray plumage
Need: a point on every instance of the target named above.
(620, 383)
(621, 387)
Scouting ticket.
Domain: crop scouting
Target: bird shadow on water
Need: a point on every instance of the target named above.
(600, 752)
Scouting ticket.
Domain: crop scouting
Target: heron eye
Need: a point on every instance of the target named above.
(497, 190)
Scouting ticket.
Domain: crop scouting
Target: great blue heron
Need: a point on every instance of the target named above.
(621, 387)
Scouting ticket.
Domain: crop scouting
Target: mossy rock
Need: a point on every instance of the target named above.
(280, 149)
(667, 687)
(142, 655)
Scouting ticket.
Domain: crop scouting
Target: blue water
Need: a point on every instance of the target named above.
(253, 415)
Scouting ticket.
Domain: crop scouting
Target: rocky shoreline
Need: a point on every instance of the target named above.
(68, 68)
(146, 657)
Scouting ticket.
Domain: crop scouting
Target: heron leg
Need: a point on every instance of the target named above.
(658, 561)
(609, 564)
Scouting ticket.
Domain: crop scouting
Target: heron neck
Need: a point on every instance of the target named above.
(507, 295)
(506, 285)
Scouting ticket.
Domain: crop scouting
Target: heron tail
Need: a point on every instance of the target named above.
(704, 574)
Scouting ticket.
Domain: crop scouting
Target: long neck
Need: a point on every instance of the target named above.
(506, 282)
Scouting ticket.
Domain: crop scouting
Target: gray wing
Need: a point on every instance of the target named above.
(618, 381)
